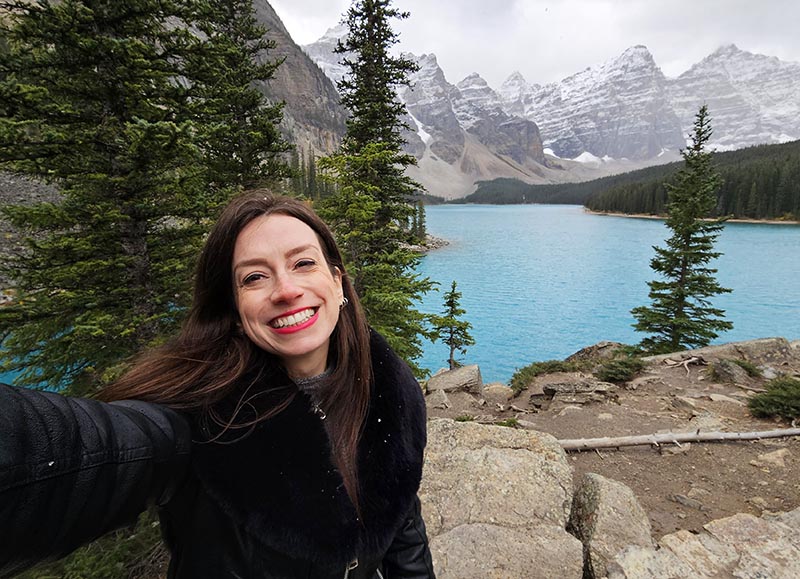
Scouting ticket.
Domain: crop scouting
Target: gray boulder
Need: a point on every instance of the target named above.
(481, 551)
(606, 517)
(465, 378)
(729, 371)
(496, 502)
(497, 393)
(742, 546)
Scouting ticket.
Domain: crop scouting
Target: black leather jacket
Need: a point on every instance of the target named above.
(74, 469)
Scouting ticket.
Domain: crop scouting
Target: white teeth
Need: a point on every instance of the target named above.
(293, 319)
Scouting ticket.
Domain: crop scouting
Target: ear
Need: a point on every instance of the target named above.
(337, 277)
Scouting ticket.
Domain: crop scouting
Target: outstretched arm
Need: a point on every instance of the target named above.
(73, 469)
(409, 556)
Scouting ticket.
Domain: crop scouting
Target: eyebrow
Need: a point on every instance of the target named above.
(290, 253)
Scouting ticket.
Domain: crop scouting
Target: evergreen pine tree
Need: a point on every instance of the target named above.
(371, 208)
(104, 99)
(681, 315)
(451, 329)
(241, 142)
(422, 228)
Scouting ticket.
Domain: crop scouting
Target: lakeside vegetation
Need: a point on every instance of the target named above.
(761, 182)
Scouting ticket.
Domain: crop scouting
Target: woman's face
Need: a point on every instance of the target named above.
(286, 295)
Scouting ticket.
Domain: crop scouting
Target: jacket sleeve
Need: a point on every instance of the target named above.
(73, 469)
(409, 556)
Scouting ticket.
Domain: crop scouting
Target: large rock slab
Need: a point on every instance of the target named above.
(762, 351)
(728, 371)
(607, 517)
(465, 378)
(482, 551)
(741, 546)
(496, 502)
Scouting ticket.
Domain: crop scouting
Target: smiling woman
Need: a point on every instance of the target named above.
(297, 447)
(287, 295)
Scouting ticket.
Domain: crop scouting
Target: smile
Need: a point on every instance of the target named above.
(293, 320)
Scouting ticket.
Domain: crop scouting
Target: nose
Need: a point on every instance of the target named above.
(285, 289)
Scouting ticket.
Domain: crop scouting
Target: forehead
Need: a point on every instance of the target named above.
(274, 235)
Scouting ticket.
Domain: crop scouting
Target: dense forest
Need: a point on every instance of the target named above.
(760, 182)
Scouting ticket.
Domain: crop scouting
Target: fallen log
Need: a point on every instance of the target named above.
(672, 438)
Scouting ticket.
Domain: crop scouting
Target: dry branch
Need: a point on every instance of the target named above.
(672, 438)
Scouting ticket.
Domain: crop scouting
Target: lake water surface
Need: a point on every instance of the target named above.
(540, 282)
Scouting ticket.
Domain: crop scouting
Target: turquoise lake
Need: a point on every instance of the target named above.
(540, 282)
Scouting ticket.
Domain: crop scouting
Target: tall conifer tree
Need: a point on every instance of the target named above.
(242, 143)
(451, 329)
(681, 315)
(104, 99)
(372, 207)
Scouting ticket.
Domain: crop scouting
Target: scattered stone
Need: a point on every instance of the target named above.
(776, 458)
(497, 393)
(643, 381)
(759, 502)
(568, 409)
(768, 372)
(606, 517)
(674, 449)
(684, 403)
(687, 502)
(723, 398)
(698, 493)
(762, 351)
(704, 422)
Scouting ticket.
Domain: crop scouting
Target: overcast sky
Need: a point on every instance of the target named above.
(547, 40)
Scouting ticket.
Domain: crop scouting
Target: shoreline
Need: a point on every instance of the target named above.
(662, 218)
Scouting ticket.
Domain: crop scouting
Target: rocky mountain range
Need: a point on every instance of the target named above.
(621, 115)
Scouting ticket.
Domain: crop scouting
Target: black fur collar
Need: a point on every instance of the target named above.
(280, 485)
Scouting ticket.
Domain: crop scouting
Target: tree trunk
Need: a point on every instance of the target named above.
(672, 438)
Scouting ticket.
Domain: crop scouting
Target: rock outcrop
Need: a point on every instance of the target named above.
(498, 496)
(739, 546)
(606, 517)
(312, 115)
(496, 502)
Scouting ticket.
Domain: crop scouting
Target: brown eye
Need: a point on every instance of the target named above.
(253, 278)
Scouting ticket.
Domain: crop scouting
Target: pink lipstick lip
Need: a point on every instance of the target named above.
(292, 329)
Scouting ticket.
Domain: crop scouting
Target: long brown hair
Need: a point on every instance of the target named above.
(210, 358)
